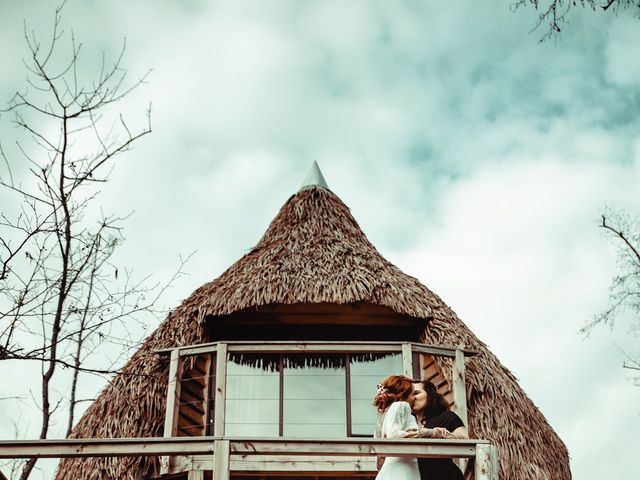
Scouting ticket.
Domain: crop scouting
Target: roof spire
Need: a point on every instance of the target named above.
(314, 178)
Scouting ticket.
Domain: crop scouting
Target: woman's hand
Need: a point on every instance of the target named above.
(437, 432)
(421, 432)
(458, 433)
(441, 432)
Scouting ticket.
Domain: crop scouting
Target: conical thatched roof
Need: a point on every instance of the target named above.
(314, 251)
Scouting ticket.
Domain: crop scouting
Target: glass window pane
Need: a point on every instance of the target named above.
(314, 396)
(314, 403)
(366, 372)
(252, 405)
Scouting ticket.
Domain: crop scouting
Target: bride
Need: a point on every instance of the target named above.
(393, 402)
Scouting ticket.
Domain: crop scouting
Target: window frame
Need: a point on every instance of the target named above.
(347, 356)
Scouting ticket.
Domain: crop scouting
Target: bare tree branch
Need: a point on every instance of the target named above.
(624, 291)
(60, 303)
(620, 234)
(553, 16)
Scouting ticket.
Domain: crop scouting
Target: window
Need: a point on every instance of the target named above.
(304, 395)
(366, 371)
(253, 399)
(314, 396)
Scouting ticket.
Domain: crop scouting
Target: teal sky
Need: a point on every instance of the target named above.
(474, 158)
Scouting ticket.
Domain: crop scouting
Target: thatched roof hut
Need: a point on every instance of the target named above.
(314, 252)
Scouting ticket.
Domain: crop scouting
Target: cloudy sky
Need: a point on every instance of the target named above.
(474, 158)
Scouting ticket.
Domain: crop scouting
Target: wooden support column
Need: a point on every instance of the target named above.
(207, 392)
(195, 475)
(171, 409)
(460, 396)
(459, 388)
(221, 390)
(487, 465)
(173, 395)
(407, 360)
(221, 452)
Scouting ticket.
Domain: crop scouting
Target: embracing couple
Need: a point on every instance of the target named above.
(414, 409)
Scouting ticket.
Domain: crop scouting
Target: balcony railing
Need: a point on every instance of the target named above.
(192, 396)
(200, 379)
(224, 453)
(230, 454)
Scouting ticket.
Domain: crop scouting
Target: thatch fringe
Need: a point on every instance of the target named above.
(314, 252)
(270, 362)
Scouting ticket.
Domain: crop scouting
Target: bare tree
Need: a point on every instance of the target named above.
(63, 301)
(554, 14)
(624, 292)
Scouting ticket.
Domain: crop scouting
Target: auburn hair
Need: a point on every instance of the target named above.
(395, 388)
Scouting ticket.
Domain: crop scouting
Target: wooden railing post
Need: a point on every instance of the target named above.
(173, 394)
(459, 387)
(221, 452)
(487, 466)
(459, 391)
(407, 360)
(171, 409)
(221, 388)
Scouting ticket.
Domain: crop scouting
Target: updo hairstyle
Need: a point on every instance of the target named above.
(394, 388)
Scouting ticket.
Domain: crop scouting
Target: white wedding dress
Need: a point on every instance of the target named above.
(394, 423)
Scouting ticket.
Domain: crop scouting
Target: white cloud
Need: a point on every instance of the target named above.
(473, 157)
(621, 55)
(517, 254)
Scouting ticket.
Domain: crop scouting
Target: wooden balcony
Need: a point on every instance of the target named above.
(228, 458)
(199, 384)
(198, 444)
(198, 377)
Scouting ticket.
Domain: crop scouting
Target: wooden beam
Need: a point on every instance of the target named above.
(459, 391)
(295, 347)
(495, 461)
(192, 400)
(195, 475)
(190, 420)
(338, 320)
(171, 408)
(349, 346)
(105, 447)
(438, 351)
(459, 387)
(407, 360)
(221, 460)
(220, 390)
(286, 464)
(208, 392)
(154, 446)
(356, 308)
(173, 394)
(406, 448)
(486, 462)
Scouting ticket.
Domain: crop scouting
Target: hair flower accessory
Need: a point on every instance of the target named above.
(382, 389)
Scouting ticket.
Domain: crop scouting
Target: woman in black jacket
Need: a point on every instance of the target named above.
(432, 411)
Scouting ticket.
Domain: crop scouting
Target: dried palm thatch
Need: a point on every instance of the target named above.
(314, 251)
